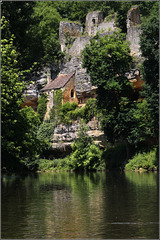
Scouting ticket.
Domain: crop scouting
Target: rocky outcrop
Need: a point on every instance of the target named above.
(65, 135)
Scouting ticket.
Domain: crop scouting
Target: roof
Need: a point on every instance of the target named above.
(59, 82)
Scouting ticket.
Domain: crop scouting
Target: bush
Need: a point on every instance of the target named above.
(86, 155)
(45, 164)
(46, 131)
(146, 161)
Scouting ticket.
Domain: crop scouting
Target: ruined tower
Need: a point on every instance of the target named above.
(92, 20)
(133, 31)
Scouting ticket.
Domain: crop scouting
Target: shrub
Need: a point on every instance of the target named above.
(86, 155)
(45, 164)
(147, 161)
(46, 131)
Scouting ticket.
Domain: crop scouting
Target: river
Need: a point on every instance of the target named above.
(104, 205)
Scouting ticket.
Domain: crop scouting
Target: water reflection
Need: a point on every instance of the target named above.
(70, 205)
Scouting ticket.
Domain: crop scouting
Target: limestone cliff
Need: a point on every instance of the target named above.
(65, 135)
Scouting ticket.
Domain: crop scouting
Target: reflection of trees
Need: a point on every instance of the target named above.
(130, 205)
(72, 205)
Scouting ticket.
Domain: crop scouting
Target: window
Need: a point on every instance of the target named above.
(72, 93)
(94, 21)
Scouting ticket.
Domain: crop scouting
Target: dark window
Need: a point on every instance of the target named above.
(72, 93)
(93, 20)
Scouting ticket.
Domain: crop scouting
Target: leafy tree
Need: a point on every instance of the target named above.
(42, 106)
(90, 109)
(35, 27)
(47, 30)
(18, 125)
(107, 60)
(19, 17)
(149, 42)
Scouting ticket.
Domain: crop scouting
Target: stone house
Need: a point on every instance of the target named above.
(66, 82)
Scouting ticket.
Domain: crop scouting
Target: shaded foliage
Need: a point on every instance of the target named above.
(42, 106)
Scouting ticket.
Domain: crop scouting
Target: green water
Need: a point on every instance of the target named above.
(109, 205)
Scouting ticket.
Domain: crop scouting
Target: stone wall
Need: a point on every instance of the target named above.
(78, 45)
(92, 20)
(133, 31)
(70, 29)
(70, 86)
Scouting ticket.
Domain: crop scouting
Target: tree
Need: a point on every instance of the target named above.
(19, 143)
(107, 60)
(19, 17)
(46, 31)
(149, 42)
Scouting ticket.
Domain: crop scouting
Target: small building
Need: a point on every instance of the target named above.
(65, 82)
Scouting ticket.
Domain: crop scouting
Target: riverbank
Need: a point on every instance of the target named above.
(109, 159)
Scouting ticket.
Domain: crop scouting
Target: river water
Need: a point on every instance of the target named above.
(104, 205)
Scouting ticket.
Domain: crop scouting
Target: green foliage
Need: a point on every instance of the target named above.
(55, 111)
(45, 165)
(19, 143)
(149, 42)
(146, 161)
(67, 112)
(35, 26)
(42, 106)
(18, 14)
(55, 164)
(86, 155)
(46, 131)
(46, 31)
(90, 109)
(107, 59)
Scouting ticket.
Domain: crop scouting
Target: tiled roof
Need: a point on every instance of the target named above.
(59, 82)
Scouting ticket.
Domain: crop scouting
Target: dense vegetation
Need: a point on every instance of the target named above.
(29, 35)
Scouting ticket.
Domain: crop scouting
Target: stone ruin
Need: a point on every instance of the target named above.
(94, 23)
(73, 41)
(68, 31)
(93, 19)
(133, 31)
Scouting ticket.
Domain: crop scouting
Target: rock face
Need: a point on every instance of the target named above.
(133, 31)
(65, 135)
